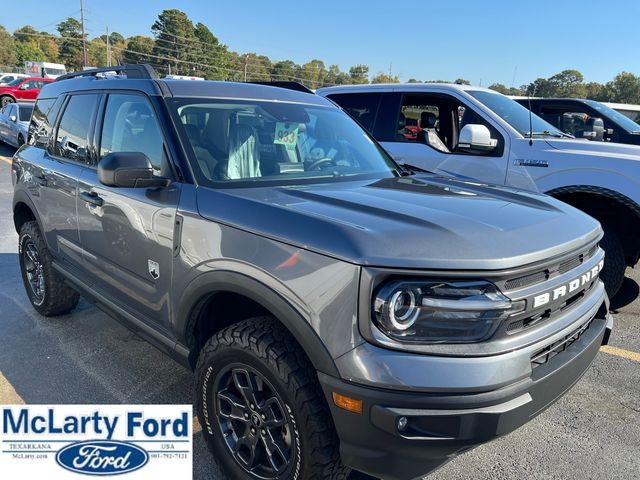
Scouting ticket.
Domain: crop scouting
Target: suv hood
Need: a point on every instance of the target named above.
(597, 149)
(425, 222)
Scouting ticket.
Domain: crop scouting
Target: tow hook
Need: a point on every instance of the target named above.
(609, 327)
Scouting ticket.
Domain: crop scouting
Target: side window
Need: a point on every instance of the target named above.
(417, 113)
(361, 106)
(574, 123)
(130, 125)
(42, 121)
(72, 137)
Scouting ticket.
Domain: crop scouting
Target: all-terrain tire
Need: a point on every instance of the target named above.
(57, 297)
(265, 346)
(614, 263)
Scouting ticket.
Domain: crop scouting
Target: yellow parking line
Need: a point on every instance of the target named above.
(8, 395)
(619, 352)
(6, 160)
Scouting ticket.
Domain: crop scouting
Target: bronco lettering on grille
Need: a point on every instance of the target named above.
(569, 287)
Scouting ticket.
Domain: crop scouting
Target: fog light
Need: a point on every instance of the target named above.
(402, 423)
(347, 403)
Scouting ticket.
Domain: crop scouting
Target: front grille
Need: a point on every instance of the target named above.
(553, 270)
(545, 354)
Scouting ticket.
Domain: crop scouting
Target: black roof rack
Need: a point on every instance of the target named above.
(299, 87)
(133, 71)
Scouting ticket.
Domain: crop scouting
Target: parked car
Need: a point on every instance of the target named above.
(6, 78)
(309, 291)
(578, 117)
(14, 123)
(25, 89)
(481, 135)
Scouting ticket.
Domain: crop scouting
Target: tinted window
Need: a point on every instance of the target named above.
(514, 114)
(25, 112)
(42, 120)
(72, 137)
(622, 120)
(361, 106)
(130, 126)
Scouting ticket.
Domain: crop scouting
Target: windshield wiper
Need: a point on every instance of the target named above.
(408, 169)
(547, 133)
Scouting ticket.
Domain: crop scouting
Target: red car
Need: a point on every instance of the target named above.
(22, 89)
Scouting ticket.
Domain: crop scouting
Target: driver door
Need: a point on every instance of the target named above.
(407, 145)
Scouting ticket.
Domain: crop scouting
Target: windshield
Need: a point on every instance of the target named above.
(253, 141)
(514, 114)
(16, 82)
(25, 112)
(622, 120)
(53, 71)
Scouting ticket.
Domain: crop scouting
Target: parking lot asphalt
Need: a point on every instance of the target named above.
(593, 432)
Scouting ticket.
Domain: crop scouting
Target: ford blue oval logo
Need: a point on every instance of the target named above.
(102, 457)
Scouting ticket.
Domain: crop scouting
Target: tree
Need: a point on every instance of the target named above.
(359, 74)
(625, 88)
(568, 83)
(499, 87)
(313, 73)
(71, 43)
(413, 80)
(462, 81)
(175, 42)
(597, 91)
(28, 51)
(285, 70)
(211, 55)
(138, 49)
(384, 78)
(7, 48)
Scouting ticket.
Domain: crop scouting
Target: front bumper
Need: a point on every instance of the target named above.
(442, 425)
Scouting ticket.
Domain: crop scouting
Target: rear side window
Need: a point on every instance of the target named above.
(72, 137)
(361, 106)
(42, 121)
(131, 126)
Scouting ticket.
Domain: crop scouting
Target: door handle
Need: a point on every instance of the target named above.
(92, 198)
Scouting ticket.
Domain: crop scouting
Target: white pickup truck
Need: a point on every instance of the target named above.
(479, 134)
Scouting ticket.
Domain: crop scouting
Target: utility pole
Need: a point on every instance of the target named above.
(246, 64)
(84, 40)
(389, 71)
(108, 62)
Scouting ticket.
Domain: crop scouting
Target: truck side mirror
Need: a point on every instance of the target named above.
(475, 138)
(128, 170)
(13, 118)
(594, 129)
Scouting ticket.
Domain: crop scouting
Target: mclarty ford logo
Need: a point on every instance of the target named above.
(102, 458)
(62, 441)
(569, 287)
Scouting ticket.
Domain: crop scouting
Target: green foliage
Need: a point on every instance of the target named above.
(384, 78)
(359, 74)
(625, 88)
(138, 50)
(7, 48)
(175, 43)
(499, 87)
(71, 43)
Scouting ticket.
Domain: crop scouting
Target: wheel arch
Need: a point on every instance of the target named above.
(606, 205)
(24, 211)
(196, 315)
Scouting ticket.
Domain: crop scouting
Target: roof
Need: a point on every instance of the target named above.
(403, 87)
(182, 88)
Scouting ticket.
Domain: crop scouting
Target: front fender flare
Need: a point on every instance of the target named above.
(288, 315)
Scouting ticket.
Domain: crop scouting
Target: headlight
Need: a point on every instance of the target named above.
(441, 312)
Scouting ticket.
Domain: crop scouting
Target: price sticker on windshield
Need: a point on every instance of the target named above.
(286, 134)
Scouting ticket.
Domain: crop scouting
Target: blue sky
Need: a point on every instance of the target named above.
(511, 42)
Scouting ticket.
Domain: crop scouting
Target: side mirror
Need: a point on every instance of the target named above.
(476, 138)
(13, 118)
(128, 170)
(594, 129)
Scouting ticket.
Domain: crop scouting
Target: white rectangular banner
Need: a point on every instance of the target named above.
(57, 442)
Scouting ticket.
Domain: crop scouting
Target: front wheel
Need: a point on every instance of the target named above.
(261, 408)
(6, 100)
(614, 262)
(48, 292)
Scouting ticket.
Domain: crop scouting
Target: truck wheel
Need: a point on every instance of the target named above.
(6, 100)
(262, 411)
(46, 289)
(614, 262)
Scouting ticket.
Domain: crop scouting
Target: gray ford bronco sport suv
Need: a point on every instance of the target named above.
(339, 311)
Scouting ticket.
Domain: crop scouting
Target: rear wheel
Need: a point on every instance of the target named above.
(46, 289)
(262, 410)
(614, 263)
